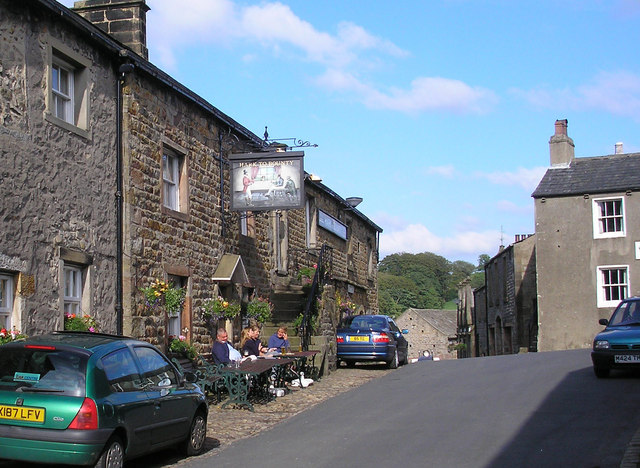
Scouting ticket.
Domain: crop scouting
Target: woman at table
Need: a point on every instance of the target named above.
(250, 343)
(279, 340)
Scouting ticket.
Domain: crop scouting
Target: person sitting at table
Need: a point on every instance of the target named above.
(251, 344)
(279, 340)
(222, 351)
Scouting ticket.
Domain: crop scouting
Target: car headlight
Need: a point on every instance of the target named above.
(601, 344)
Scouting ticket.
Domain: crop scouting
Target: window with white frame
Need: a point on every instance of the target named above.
(62, 88)
(73, 286)
(608, 217)
(613, 285)
(68, 89)
(171, 171)
(6, 301)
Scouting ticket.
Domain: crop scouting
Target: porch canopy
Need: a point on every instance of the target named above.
(231, 270)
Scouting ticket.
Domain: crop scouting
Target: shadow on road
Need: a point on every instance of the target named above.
(580, 404)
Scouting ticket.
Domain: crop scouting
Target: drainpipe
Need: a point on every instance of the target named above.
(122, 72)
(221, 184)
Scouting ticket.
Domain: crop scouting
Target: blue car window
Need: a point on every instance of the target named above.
(121, 371)
(156, 370)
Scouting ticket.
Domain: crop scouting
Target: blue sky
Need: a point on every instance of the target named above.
(437, 113)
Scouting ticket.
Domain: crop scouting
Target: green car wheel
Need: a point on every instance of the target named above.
(113, 455)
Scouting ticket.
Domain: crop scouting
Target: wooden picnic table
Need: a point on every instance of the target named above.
(253, 376)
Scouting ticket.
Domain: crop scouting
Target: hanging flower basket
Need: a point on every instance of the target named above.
(260, 310)
(219, 309)
(160, 293)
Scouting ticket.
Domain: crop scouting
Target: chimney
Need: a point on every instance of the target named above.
(124, 20)
(619, 148)
(561, 146)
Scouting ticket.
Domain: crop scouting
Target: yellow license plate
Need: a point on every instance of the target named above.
(359, 338)
(21, 413)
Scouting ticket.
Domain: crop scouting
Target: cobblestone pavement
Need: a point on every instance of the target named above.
(228, 425)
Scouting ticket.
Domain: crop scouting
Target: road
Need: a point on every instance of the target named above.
(527, 410)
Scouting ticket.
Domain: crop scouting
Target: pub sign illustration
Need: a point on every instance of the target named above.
(267, 181)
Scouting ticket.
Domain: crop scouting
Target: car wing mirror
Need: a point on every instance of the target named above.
(405, 331)
(604, 322)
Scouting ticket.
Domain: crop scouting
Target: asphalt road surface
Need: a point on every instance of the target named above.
(527, 410)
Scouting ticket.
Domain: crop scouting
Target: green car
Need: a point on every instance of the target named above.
(94, 399)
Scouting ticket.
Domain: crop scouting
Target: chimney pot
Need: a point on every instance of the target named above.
(561, 146)
(561, 127)
(619, 149)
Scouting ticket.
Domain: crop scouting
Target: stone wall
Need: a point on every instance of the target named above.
(57, 186)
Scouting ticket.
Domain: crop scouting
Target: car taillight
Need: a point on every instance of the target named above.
(47, 348)
(340, 339)
(87, 417)
(381, 338)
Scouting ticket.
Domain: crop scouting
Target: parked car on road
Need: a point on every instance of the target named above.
(371, 338)
(94, 399)
(618, 345)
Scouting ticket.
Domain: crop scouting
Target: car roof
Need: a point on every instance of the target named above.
(88, 341)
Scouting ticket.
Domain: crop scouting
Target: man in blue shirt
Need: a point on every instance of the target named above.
(220, 350)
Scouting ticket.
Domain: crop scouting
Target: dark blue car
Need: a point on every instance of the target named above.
(618, 345)
(371, 338)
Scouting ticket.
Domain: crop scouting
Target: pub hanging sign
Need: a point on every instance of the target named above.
(267, 181)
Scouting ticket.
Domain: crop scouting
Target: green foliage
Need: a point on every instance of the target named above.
(313, 323)
(259, 309)
(9, 336)
(84, 323)
(181, 346)
(422, 281)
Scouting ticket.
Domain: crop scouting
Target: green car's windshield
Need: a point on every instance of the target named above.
(627, 314)
(42, 370)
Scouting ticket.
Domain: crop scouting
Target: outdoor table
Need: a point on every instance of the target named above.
(301, 363)
(256, 372)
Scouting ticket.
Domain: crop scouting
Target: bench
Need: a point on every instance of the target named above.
(207, 375)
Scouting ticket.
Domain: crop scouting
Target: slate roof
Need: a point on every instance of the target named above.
(601, 174)
(443, 320)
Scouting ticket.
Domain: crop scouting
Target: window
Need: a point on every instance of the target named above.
(62, 87)
(68, 89)
(247, 224)
(175, 321)
(312, 222)
(613, 284)
(171, 180)
(608, 218)
(121, 371)
(72, 290)
(174, 181)
(156, 371)
(6, 301)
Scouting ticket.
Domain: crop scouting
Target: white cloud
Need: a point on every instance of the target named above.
(526, 178)
(174, 25)
(617, 93)
(416, 238)
(444, 171)
(425, 94)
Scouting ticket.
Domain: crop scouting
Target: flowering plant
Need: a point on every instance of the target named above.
(179, 345)
(77, 323)
(8, 337)
(161, 292)
(306, 274)
(219, 309)
(345, 306)
(259, 309)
